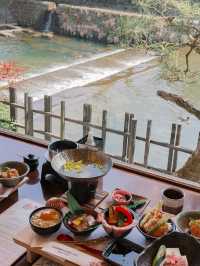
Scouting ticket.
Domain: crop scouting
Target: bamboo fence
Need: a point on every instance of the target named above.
(128, 133)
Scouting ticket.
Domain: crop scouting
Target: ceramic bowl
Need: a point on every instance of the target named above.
(69, 215)
(150, 237)
(115, 231)
(45, 231)
(173, 200)
(125, 193)
(21, 167)
(188, 246)
(183, 219)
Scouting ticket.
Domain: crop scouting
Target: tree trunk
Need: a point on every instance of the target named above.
(178, 100)
(191, 169)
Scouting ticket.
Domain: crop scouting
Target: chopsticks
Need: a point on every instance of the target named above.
(84, 245)
(79, 242)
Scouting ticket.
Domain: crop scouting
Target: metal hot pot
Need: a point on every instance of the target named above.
(82, 184)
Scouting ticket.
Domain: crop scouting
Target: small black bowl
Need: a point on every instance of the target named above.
(45, 231)
(69, 215)
(149, 237)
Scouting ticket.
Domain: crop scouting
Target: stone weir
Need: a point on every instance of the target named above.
(84, 72)
(97, 24)
(124, 5)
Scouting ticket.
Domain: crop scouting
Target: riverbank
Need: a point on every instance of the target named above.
(97, 24)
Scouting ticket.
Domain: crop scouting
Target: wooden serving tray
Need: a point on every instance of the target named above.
(35, 244)
(7, 191)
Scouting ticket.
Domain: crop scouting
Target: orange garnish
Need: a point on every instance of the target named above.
(49, 216)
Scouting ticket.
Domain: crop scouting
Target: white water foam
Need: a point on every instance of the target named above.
(90, 75)
(78, 62)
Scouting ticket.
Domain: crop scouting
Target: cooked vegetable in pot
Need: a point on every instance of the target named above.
(71, 165)
(82, 222)
(119, 216)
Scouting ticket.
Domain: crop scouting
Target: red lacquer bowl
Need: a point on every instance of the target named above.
(115, 231)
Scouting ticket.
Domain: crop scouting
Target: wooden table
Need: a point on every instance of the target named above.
(129, 180)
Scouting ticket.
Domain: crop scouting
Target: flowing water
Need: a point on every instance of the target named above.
(48, 23)
(41, 55)
(108, 78)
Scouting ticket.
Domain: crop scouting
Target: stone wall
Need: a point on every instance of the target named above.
(84, 22)
(106, 25)
(29, 13)
(5, 16)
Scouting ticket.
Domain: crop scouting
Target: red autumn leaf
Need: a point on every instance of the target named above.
(10, 71)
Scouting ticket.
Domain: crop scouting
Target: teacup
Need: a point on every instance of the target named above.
(173, 200)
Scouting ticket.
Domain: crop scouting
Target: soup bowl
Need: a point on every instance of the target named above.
(45, 230)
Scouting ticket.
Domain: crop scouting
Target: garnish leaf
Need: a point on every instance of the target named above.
(73, 204)
(121, 219)
(137, 204)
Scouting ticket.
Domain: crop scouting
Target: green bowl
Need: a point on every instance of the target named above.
(183, 219)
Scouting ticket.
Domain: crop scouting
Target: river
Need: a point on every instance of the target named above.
(126, 84)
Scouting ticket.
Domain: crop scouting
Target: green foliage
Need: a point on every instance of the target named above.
(157, 7)
(5, 118)
(181, 8)
(160, 22)
(188, 9)
(135, 31)
(143, 29)
(170, 69)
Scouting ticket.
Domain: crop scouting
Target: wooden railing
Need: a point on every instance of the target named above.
(128, 133)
